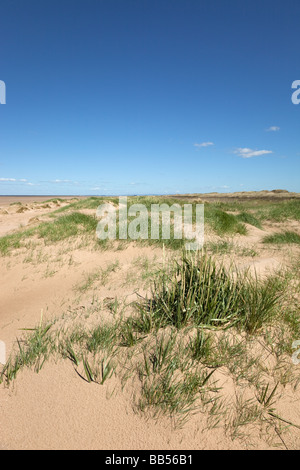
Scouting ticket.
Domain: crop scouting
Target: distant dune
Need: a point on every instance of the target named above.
(275, 194)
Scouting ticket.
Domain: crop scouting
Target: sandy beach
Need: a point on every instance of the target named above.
(56, 408)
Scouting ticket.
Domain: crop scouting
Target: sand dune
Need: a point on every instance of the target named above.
(55, 409)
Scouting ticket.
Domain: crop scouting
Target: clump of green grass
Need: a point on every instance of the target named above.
(200, 293)
(191, 295)
(223, 223)
(283, 238)
(128, 335)
(260, 299)
(248, 218)
(201, 345)
(102, 337)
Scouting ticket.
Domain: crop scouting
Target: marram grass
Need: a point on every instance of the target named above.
(200, 292)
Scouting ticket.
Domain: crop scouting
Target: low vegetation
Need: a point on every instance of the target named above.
(70, 225)
(223, 219)
(199, 318)
(283, 238)
(202, 322)
(209, 296)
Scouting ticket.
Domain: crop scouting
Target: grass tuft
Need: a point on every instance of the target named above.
(250, 219)
(202, 294)
(283, 238)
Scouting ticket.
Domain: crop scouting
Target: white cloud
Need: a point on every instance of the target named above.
(204, 144)
(248, 153)
(273, 129)
(14, 180)
(58, 181)
(61, 181)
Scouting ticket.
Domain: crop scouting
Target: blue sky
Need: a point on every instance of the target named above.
(149, 97)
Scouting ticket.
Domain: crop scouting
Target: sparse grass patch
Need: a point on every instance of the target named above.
(220, 247)
(14, 241)
(32, 351)
(10, 242)
(279, 212)
(223, 247)
(201, 321)
(283, 238)
(89, 203)
(66, 226)
(101, 275)
(55, 200)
